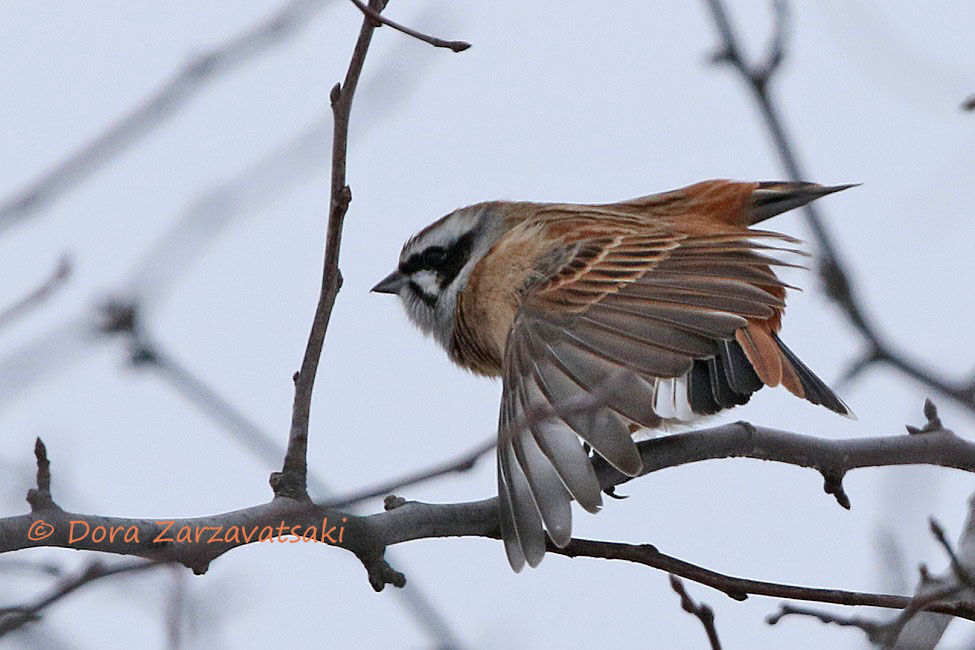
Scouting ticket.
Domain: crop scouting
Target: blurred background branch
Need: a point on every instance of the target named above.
(14, 617)
(833, 270)
(917, 627)
(37, 296)
(161, 104)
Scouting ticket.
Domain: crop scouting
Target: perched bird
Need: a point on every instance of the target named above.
(673, 289)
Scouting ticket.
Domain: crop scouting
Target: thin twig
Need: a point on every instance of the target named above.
(733, 586)
(868, 625)
(885, 633)
(960, 572)
(701, 611)
(456, 46)
(931, 595)
(291, 481)
(465, 462)
(15, 617)
(833, 269)
(39, 497)
(37, 297)
(262, 446)
(161, 104)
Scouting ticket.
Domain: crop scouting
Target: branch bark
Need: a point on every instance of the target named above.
(701, 611)
(291, 480)
(379, 19)
(188, 541)
(921, 623)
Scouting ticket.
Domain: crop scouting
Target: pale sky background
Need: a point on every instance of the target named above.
(571, 101)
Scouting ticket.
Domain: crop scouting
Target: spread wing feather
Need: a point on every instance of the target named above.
(690, 317)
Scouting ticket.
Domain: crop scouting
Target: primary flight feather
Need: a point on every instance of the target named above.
(674, 292)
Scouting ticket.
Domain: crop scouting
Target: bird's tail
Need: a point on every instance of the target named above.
(771, 198)
(775, 364)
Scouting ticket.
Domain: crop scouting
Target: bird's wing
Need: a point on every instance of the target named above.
(690, 319)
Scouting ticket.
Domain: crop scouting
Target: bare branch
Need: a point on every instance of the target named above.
(883, 633)
(463, 463)
(369, 536)
(39, 498)
(734, 587)
(456, 46)
(870, 626)
(961, 573)
(291, 481)
(161, 104)
(856, 367)
(832, 269)
(831, 458)
(264, 447)
(36, 297)
(13, 617)
(702, 611)
(921, 623)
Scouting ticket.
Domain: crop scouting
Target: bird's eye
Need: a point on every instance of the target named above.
(434, 256)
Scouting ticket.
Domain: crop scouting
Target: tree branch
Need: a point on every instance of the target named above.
(291, 480)
(463, 463)
(161, 104)
(264, 447)
(833, 269)
(179, 540)
(701, 611)
(14, 617)
(930, 445)
(379, 19)
(907, 629)
(33, 299)
(734, 587)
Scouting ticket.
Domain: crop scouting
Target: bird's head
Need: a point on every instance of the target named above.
(435, 264)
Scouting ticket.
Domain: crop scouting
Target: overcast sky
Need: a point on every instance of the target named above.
(571, 101)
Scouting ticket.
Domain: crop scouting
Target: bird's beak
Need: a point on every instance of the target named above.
(392, 283)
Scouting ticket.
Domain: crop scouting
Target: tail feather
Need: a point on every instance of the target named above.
(814, 389)
(772, 198)
(762, 353)
(774, 363)
(722, 381)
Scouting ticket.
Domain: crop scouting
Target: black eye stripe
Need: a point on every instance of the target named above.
(431, 301)
(445, 262)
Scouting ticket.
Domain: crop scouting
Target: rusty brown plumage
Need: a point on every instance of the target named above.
(677, 290)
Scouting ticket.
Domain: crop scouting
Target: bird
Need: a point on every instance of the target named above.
(649, 313)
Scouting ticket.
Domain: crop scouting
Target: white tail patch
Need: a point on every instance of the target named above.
(670, 400)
